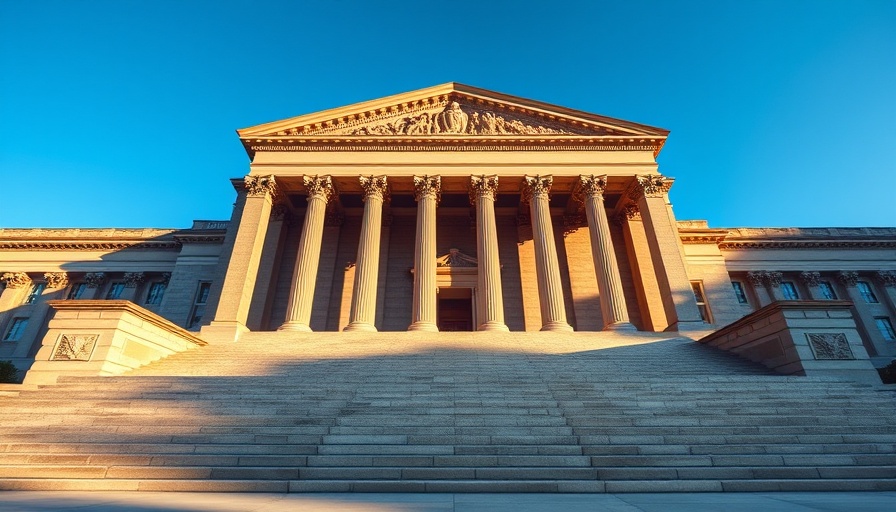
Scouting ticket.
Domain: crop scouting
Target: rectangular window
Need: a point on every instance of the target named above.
(77, 291)
(156, 291)
(697, 287)
(199, 304)
(866, 292)
(788, 290)
(885, 328)
(115, 291)
(827, 291)
(16, 329)
(739, 292)
(36, 290)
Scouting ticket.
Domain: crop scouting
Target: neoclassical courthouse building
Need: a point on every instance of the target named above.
(450, 208)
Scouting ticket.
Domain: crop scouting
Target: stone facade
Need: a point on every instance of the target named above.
(448, 208)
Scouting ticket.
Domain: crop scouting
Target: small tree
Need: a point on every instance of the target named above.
(8, 372)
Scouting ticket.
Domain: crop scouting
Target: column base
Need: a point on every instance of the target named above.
(493, 326)
(557, 326)
(295, 326)
(359, 326)
(423, 326)
(620, 326)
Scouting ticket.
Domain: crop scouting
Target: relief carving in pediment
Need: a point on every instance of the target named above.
(448, 117)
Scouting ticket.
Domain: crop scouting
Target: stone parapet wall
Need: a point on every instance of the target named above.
(814, 338)
(104, 337)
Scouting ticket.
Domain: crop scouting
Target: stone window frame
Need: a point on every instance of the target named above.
(150, 293)
(702, 305)
(827, 290)
(114, 286)
(16, 329)
(76, 290)
(867, 292)
(740, 292)
(200, 300)
(34, 292)
(789, 290)
(885, 326)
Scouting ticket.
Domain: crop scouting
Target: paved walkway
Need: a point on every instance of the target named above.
(96, 501)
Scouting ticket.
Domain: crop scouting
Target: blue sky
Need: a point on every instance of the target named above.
(122, 113)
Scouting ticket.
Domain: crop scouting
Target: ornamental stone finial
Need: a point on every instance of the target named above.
(811, 278)
(374, 186)
(537, 187)
(887, 277)
(483, 186)
(427, 186)
(132, 279)
(56, 279)
(320, 186)
(15, 280)
(260, 185)
(848, 278)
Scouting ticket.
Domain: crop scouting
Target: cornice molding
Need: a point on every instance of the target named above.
(805, 244)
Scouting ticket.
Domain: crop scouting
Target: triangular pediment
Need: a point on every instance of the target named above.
(450, 110)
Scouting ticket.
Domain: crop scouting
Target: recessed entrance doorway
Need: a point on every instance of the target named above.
(455, 310)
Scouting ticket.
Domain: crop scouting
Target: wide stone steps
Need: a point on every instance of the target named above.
(449, 413)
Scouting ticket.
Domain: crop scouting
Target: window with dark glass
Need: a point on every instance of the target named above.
(700, 297)
(16, 329)
(739, 292)
(199, 304)
(115, 290)
(34, 293)
(156, 291)
(885, 328)
(827, 291)
(866, 292)
(77, 291)
(788, 290)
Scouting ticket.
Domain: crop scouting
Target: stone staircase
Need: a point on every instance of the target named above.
(450, 412)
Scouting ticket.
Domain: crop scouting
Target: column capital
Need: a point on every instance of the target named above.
(756, 278)
(630, 212)
(279, 212)
(537, 187)
(15, 280)
(572, 222)
(427, 186)
(260, 185)
(132, 279)
(483, 186)
(593, 186)
(319, 186)
(810, 278)
(887, 277)
(650, 185)
(56, 279)
(166, 277)
(848, 278)
(773, 278)
(95, 279)
(374, 186)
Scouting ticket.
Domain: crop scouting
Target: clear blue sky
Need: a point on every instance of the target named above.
(122, 113)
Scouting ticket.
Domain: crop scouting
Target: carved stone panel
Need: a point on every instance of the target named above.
(75, 347)
(830, 345)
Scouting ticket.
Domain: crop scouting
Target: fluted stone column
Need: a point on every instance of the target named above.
(363, 312)
(426, 192)
(304, 277)
(536, 190)
(649, 192)
(612, 299)
(490, 298)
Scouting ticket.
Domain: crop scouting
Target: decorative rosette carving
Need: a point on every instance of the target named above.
(483, 186)
(427, 186)
(14, 280)
(260, 185)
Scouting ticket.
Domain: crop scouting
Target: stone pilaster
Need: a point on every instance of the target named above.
(423, 315)
(606, 268)
(304, 277)
(757, 279)
(536, 190)
(363, 312)
(259, 310)
(811, 280)
(773, 280)
(231, 302)
(489, 299)
(647, 289)
(887, 279)
(649, 192)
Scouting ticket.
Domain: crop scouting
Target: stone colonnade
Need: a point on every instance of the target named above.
(490, 307)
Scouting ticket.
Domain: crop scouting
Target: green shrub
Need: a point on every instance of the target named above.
(888, 373)
(8, 372)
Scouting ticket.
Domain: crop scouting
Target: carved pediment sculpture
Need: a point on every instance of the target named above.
(455, 258)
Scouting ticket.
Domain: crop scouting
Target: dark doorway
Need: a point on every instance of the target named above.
(455, 310)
